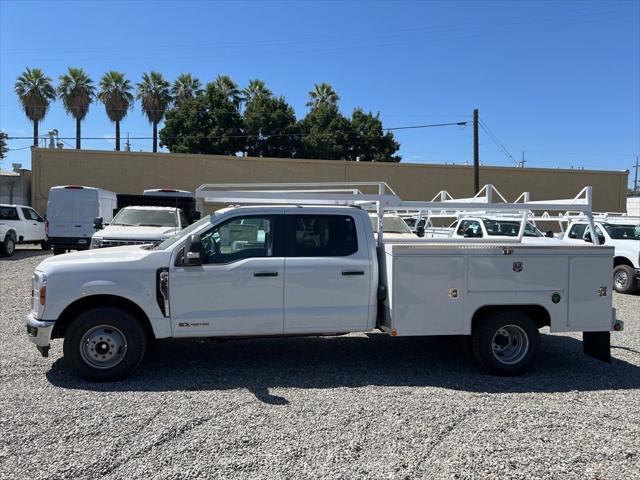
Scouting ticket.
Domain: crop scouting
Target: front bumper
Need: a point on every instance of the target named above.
(39, 333)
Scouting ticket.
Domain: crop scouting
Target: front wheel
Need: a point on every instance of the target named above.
(624, 279)
(104, 344)
(8, 247)
(505, 343)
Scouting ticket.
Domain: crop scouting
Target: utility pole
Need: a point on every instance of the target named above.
(635, 180)
(476, 154)
(522, 162)
(127, 146)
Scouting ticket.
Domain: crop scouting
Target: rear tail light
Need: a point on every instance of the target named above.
(46, 227)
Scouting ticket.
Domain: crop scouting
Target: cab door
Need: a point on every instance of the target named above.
(238, 289)
(328, 274)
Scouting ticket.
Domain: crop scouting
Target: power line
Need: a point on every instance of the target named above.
(497, 141)
(212, 137)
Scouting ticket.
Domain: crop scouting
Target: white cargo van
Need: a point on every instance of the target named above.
(71, 210)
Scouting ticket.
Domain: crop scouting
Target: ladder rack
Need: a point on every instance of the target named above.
(384, 199)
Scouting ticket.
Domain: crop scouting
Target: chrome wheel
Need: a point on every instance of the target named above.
(103, 347)
(510, 344)
(621, 279)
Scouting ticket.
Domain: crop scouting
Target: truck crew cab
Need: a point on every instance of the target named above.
(20, 224)
(292, 267)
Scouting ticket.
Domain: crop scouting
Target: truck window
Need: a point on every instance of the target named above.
(321, 236)
(9, 213)
(470, 224)
(239, 238)
(30, 214)
(183, 219)
(577, 231)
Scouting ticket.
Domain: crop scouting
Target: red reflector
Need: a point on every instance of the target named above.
(617, 327)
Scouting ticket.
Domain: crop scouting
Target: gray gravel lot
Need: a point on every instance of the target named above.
(342, 407)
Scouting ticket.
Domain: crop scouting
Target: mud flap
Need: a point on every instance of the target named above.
(597, 345)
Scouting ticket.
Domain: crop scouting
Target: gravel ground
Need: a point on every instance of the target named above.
(343, 407)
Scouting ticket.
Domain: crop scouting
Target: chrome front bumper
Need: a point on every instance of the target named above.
(39, 333)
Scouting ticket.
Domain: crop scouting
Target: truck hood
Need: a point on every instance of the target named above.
(136, 233)
(111, 258)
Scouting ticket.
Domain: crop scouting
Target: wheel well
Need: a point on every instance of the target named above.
(76, 308)
(11, 233)
(537, 313)
(617, 261)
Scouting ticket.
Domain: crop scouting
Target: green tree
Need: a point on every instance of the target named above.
(185, 87)
(3, 145)
(322, 94)
(369, 141)
(326, 134)
(35, 93)
(209, 123)
(228, 88)
(270, 126)
(76, 91)
(115, 94)
(153, 93)
(255, 89)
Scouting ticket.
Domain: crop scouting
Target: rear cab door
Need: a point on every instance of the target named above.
(328, 272)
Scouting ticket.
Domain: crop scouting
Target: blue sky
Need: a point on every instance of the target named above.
(559, 80)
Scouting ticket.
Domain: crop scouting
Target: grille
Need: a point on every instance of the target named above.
(121, 242)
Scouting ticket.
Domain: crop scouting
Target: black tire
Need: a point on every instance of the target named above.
(45, 245)
(624, 279)
(8, 247)
(58, 251)
(80, 345)
(491, 347)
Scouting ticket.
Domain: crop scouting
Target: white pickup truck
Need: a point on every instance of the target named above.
(498, 228)
(20, 224)
(281, 269)
(139, 225)
(622, 233)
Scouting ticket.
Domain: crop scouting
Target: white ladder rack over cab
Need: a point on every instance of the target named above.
(383, 199)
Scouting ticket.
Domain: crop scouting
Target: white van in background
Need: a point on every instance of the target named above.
(71, 210)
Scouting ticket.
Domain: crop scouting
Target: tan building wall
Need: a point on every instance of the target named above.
(132, 172)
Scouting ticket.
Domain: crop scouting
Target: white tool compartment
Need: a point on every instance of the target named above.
(436, 288)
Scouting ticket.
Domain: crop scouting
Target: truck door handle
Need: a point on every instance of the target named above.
(265, 274)
(350, 273)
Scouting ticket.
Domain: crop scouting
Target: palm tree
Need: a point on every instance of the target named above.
(322, 94)
(185, 87)
(256, 88)
(154, 94)
(76, 91)
(115, 93)
(35, 94)
(229, 88)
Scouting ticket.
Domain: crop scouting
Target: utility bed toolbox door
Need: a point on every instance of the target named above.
(428, 294)
(589, 308)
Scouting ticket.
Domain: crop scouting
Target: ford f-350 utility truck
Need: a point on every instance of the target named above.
(309, 264)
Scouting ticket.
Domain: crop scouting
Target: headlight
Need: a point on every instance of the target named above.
(96, 242)
(38, 294)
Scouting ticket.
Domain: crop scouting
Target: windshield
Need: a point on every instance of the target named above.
(145, 218)
(391, 225)
(184, 233)
(509, 228)
(622, 232)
